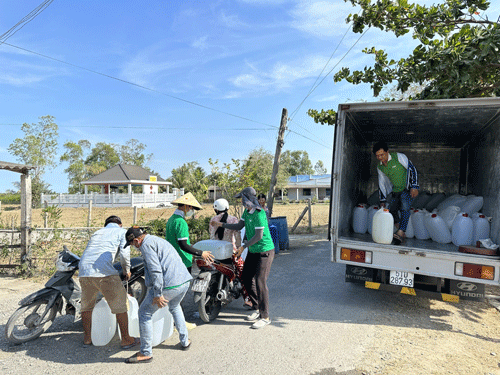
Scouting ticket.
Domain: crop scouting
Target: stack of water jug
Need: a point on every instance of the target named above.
(442, 219)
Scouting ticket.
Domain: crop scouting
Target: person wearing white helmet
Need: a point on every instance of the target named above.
(221, 206)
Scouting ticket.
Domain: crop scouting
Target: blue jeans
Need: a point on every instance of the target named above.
(400, 203)
(147, 309)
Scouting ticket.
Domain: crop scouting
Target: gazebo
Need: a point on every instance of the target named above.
(127, 175)
(110, 180)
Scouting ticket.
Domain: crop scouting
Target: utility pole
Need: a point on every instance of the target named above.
(277, 154)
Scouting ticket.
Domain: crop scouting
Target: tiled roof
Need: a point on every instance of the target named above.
(13, 167)
(121, 173)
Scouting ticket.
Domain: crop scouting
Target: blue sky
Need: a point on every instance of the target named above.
(244, 59)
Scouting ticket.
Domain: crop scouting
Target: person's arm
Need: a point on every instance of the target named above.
(124, 255)
(207, 255)
(154, 269)
(239, 226)
(259, 233)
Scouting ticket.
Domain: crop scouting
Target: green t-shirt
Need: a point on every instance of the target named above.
(258, 220)
(177, 229)
(395, 172)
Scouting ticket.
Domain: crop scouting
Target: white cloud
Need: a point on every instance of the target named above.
(200, 43)
(231, 21)
(322, 18)
(263, 2)
(281, 75)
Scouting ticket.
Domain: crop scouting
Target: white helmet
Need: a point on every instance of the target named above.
(221, 205)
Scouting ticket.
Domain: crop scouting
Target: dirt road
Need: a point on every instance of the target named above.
(320, 326)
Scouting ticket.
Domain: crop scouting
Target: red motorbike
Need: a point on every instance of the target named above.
(218, 283)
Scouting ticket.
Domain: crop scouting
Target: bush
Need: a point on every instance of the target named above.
(6, 198)
(314, 199)
(198, 228)
(285, 200)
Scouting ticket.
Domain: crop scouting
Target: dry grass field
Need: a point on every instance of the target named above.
(78, 217)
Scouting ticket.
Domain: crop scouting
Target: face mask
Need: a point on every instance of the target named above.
(190, 213)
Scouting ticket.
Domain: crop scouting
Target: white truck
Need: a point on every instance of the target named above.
(455, 146)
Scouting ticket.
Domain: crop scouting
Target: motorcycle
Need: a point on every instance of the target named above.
(38, 310)
(218, 283)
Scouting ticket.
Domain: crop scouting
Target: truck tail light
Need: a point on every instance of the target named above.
(359, 256)
(475, 271)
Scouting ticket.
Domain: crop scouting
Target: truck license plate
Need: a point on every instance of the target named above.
(401, 278)
(199, 285)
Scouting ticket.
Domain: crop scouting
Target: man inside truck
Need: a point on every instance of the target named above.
(398, 186)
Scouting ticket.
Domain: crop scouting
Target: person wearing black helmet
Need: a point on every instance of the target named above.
(260, 255)
(97, 274)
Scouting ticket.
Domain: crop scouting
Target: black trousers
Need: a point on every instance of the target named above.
(258, 265)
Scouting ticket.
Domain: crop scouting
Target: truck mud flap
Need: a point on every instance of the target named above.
(412, 291)
(467, 290)
(356, 274)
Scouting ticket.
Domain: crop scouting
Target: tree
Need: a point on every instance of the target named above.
(37, 148)
(319, 167)
(102, 157)
(133, 153)
(457, 55)
(192, 178)
(296, 163)
(77, 170)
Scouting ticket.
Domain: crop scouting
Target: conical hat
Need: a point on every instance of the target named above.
(188, 199)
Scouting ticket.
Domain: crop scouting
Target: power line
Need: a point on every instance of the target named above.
(141, 86)
(161, 93)
(25, 20)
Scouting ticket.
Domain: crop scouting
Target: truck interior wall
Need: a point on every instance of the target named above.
(438, 168)
(354, 175)
(483, 178)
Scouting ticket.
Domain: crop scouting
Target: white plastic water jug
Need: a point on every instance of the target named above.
(421, 200)
(461, 230)
(419, 228)
(473, 204)
(434, 201)
(454, 200)
(480, 229)
(437, 228)
(410, 232)
(133, 318)
(383, 222)
(103, 324)
(163, 325)
(360, 219)
(371, 212)
(449, 214)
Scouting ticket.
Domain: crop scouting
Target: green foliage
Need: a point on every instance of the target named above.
(198, 228)
(85, 162)
(54, 214)
(10, 198)
(192, 178)
(324, 117)
(314, 199)
(285, 200)
(38, 149)
(296, 163)
(457, 54)
(319, 168)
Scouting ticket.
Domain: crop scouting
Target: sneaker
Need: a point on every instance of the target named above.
(261, 323)
(253, 316)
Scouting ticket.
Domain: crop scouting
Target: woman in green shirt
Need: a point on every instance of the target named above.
(260, 255)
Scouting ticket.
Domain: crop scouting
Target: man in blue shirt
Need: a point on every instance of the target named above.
(97, 274)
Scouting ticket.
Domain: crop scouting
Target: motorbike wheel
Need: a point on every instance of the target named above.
(138, 290)
(208, 306)
(23, 326)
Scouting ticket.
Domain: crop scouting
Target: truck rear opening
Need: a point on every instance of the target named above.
(455, 146)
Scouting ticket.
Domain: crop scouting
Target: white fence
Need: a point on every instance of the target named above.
(109, 200)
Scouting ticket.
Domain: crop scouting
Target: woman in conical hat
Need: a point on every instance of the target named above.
(177, 230)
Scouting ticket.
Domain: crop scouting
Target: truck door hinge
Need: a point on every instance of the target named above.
(420, 254)
(403, 252)
(335, 176)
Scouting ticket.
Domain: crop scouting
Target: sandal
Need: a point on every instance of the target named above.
(397, 240)
(187, 346)
(135, 359)
(137, 341)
